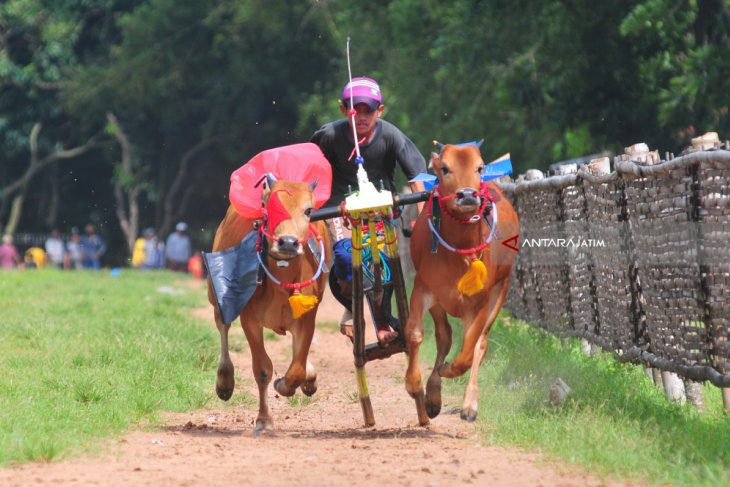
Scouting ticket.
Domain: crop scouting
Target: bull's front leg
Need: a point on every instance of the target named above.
(262, 369)
(472, 330)
(420, 300)
(443, 345)
(470, 406)
(302, 333)
(225, 380)
(497, 295)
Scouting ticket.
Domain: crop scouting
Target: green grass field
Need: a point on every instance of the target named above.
(85, 356)
(615, 421)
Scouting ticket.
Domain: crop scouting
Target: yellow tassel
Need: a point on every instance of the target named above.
(473, 281)
(301, 304)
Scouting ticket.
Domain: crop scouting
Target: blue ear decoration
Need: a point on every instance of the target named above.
(270, 179)
(497, 169)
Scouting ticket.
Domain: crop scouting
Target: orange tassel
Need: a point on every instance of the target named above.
(301, 304)
(473, 281)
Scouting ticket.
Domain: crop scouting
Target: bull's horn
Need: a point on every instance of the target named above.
(270, 179)
(314, 184)
(438, 144)
(479, 144)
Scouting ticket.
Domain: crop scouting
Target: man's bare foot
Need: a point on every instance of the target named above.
(346, 324)
(347, 331)
(386, 335)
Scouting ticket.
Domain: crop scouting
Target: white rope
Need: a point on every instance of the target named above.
(278, 282)
(454, 249)
(362, 175)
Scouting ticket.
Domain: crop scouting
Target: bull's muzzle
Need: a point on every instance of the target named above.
(287, 245)
(468, 198)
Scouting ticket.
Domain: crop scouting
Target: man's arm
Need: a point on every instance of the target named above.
(417, 187)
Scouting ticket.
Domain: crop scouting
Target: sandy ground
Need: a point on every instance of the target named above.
(320, 443)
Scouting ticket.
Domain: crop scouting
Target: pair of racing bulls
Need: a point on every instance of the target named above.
(436, 285)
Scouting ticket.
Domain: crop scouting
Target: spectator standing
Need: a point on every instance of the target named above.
(93, 248)
(154, 250)
(178, 249)
(55, 249)
(9, 258)
(74, 257)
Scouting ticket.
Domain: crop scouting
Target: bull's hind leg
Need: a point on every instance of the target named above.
(297, 372)
(262, 369)
(225, 380)
(469, 408)
(443, 345)
(420, 301)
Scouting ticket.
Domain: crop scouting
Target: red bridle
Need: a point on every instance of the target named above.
(276, 213)
(483, 193)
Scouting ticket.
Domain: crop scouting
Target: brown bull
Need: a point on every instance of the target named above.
(290, 261)
(451, 281)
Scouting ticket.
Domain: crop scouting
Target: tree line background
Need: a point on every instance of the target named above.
(133, 113)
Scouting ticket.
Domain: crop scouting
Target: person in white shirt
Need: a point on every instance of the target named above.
(55, 248)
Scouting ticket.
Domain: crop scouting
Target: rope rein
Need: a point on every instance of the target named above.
(296, 286)
(474, 250)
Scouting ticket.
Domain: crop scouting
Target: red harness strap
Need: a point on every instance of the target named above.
(276, 213)
(483, 193)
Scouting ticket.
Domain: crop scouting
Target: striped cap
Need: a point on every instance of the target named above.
(362, 90)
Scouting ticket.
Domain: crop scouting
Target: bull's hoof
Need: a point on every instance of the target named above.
(264, 427)
(433, 396)
(225, 381)
(309, 387)
(281, 387)
(468, 415)
(433, 408)
(224, 394)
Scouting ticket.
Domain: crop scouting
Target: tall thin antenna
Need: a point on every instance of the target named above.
(362, 176)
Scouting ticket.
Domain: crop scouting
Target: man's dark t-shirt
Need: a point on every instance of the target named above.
(388, 146)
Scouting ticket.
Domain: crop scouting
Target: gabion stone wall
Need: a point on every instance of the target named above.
(660, 214)
(580, 265)
(548, 288)
(654, 288)
(612, 264)
(516, 294)
(712, 179)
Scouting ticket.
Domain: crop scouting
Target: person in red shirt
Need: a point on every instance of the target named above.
(9, 257)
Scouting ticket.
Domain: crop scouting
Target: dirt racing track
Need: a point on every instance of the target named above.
(320, 443)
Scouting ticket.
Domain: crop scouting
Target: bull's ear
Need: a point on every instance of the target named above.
(314, 184)
(434, 157)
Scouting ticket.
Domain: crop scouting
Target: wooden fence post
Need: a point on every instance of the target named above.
(657, 375)
(673, 387)
(648, 373)
(726, 400)
(695, 393)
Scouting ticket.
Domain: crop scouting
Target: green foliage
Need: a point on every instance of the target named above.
(684, 47)
(86, 355)
(542, 80)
